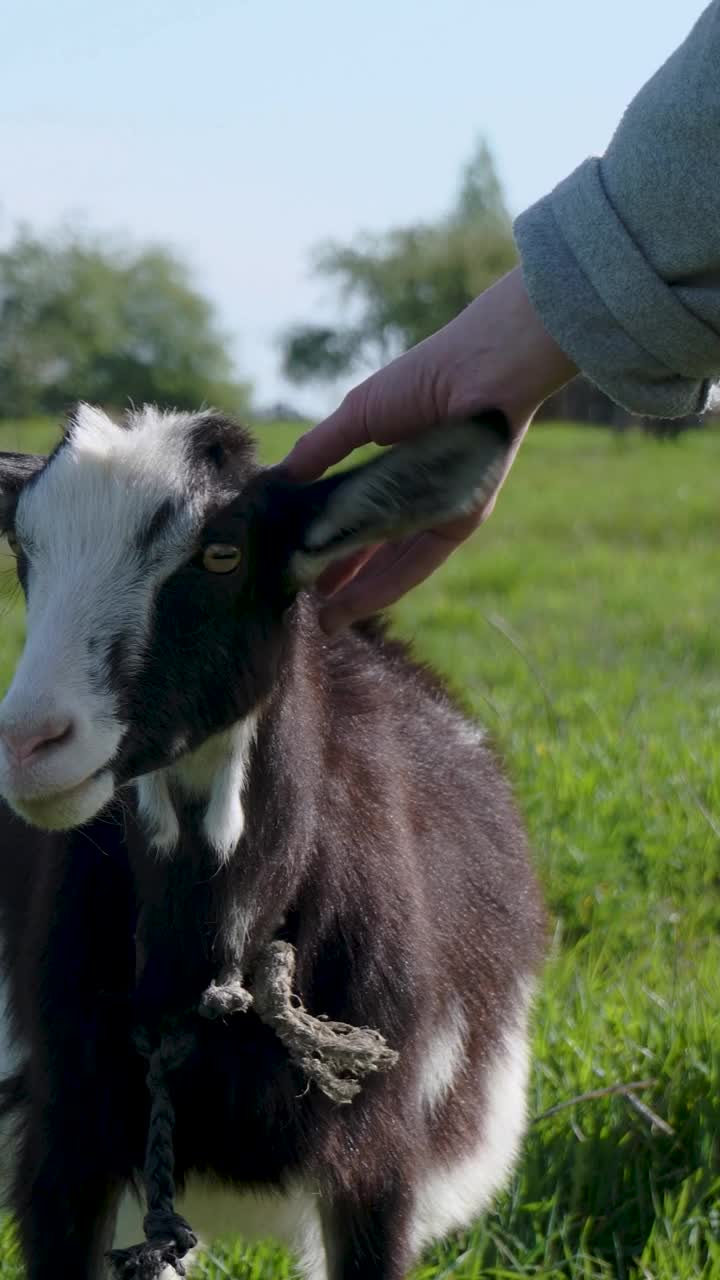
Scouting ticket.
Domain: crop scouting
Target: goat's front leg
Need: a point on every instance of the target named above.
(66, 1208)
(368, 1240)
(83, 1103)
(81, 1129)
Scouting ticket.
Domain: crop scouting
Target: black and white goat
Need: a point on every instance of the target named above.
(191, 770)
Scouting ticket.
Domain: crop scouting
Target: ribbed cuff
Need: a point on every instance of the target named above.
(606, 307)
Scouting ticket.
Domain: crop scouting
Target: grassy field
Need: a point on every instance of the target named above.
(582, 626)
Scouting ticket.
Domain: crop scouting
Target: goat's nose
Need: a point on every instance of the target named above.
(26, 746)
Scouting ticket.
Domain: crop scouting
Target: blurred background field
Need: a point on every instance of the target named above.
(581, 626)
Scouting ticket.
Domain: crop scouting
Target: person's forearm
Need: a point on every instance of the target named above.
(622, 260)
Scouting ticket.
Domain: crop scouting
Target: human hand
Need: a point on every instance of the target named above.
(494, 355)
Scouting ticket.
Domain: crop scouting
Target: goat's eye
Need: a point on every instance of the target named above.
(221, 557)
(12, 542)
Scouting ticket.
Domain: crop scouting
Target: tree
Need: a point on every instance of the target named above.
(83, 319)
(408, 282)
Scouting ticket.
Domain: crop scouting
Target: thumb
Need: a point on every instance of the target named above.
(329, 442)
(390, 405)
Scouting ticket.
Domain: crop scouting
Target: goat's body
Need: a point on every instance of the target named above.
(206, 775)
(381, 841)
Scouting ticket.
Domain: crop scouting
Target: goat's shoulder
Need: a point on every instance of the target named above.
(368, 656)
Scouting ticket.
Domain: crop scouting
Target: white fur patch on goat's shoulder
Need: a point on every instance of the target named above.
(444, 1058)
(216, 772)
(454, 1194)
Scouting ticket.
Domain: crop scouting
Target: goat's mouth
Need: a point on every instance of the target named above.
(72, 807)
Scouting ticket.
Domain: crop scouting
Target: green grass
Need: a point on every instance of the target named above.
(582, 626)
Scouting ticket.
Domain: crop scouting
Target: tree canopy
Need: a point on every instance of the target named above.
(81, 318)
(408, 282)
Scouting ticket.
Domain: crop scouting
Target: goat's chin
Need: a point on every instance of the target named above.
(68, 809)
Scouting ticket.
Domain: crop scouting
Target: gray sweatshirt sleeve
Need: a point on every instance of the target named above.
(622, 259)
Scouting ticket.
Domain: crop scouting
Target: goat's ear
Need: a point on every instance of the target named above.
(437, 476)
(15, 470)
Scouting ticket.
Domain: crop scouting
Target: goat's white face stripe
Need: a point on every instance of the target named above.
(91, 582)
(83, 522)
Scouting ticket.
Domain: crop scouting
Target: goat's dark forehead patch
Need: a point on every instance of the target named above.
(218, 442)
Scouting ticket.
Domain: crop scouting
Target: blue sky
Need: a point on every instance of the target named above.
(241, 132)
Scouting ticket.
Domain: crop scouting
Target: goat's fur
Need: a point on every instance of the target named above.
(231, 776)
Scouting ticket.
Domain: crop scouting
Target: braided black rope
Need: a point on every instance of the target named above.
(168, 1236)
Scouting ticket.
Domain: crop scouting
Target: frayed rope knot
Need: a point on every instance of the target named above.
(333, 1055)
(169, 1238)
(223, 998)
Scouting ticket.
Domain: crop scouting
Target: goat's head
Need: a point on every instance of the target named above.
(159, 561)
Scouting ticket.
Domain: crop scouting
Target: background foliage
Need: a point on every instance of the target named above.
(410, 281)
(84, 319)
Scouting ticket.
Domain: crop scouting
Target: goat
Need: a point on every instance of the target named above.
(193, 771)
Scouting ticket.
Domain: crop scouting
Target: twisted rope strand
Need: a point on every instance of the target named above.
(168, 1236)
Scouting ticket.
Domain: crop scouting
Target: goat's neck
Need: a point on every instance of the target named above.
(255, 785)
(215, 775)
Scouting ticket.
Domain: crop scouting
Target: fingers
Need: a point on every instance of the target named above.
(392, 571)
(340, 573)
(328, 443)
(370, 584)
(387, 407)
